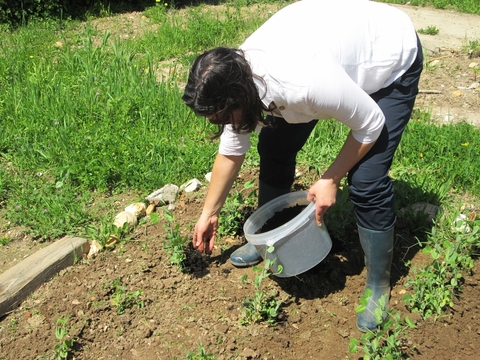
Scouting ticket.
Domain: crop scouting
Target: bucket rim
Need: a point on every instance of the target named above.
(269, 238)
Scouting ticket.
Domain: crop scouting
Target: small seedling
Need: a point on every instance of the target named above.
(476, 69)
(262, 307)
(13, 327)
(176, 243)
(62, 349)
(236, 209)
(200, 355)
(124, 300)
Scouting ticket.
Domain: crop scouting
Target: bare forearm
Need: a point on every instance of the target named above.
(224, 172)
(324, 190)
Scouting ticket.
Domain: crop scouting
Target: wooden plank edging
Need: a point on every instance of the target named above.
(22, 279)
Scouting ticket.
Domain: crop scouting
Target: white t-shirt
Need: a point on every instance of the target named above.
(321, 59)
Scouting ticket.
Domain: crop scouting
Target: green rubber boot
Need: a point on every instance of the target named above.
(247, 255)
(378, 249)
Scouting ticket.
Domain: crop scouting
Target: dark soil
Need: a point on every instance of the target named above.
(172, 311)
(281, 217)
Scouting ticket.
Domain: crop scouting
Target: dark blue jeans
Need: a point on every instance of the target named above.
(371, 189)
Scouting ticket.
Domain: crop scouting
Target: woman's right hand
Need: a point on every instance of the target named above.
(205, 232)
(225, 170)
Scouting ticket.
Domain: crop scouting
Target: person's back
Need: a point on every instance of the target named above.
(373, 42)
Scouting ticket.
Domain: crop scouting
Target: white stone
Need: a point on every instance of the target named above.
(191, 186)
(165, 195)
(95, 248)
(125, 217)
(208, 177)
(138, 209)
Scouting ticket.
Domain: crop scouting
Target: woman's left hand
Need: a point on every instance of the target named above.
(324, 192)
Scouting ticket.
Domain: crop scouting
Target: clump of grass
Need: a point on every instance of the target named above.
(430, 30)
(473, 49)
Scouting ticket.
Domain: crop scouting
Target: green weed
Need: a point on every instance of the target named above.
(430, 30)
(473, 49)
(106, 233)
(262, 307)
(175, 243)
(201, 354)
(388, 340)
(123, 300)
(434, 287)
(13, 326)
(5, 240)
(236, 210)
(62, 349)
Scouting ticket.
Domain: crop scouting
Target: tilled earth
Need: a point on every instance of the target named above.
(171, 312)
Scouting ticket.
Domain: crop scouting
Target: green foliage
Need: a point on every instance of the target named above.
(175, 244)
(200, 355)
(430, 30)
(62, 350)
(122, 299)
(106, 233)
(473, 50)
(388, 340)
(19, 12)
(467, 6)
(434, 287)
(262, 307)
(5, 240)
(48, 209)
(236, 210)
(16, 13)
(435, 157)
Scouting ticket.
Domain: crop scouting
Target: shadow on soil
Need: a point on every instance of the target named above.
(346, 257)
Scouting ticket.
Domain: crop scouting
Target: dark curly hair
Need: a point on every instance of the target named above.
(221, 81)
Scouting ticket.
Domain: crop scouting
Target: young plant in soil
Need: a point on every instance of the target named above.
(175, 244)
(236, 209)
(262, 307)
(123, 300)
(201, 355)
(434, 287)
(62, 350)
(387, 342)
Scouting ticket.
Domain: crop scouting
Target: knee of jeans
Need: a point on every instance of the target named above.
(371, 192)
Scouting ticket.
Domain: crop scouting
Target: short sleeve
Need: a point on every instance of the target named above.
(232, 143)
